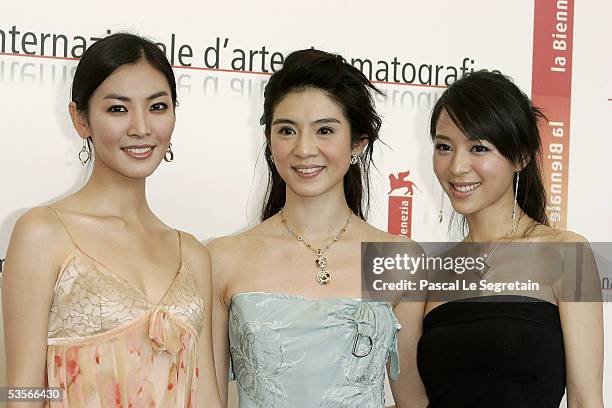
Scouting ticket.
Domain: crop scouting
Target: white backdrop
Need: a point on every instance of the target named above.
(215, 184)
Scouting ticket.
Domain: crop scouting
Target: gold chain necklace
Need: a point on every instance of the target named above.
(323, 275)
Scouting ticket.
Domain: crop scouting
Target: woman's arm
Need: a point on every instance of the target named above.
(36, 250)
(220, 319)
(408, 389)
(207, 394)
(582, 324)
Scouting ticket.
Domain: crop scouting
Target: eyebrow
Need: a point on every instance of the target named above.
(326, 120)
(126, 99)
(157, 95)
(283, 120)
(439, 136)
(316, 122)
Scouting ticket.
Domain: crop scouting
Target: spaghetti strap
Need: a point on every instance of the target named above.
(180, 242)
(61, 220)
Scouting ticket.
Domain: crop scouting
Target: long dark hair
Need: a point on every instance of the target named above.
(489, 106)
(347, 86)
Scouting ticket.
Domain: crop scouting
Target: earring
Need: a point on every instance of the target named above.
(169, 152)
(515, 195)
(354, 158)
(516, 184)
(440, 215)
(84, 155)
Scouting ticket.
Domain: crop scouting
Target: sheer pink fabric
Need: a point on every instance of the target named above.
(109, 346)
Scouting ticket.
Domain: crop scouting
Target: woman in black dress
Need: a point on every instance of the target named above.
(520, 349)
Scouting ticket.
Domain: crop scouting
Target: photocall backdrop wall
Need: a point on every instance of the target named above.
(223, 56)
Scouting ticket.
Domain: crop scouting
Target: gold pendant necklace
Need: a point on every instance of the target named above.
(323, 275)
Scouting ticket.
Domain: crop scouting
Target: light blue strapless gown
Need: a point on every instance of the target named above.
(291, 351)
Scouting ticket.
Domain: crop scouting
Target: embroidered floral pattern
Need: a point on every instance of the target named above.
(290, 351)
(259, 360)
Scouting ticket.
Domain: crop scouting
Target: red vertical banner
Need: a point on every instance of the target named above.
(400, 215)
(551, 90)
(401, 193)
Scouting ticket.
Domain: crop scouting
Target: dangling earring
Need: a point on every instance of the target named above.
(516, 184)
(440, 215)
(169, 152)
(84, 155)
(354, 158)
(518, 175)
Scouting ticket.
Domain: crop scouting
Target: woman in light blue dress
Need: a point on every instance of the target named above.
(288, 290)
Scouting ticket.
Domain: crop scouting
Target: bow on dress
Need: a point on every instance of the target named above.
(163, 333)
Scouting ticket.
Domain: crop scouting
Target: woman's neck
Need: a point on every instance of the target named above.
(316, 218)
(108, 192)
(495, 222)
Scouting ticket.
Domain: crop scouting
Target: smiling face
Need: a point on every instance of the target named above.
(130, 120)
(310, 140)
(473, 173)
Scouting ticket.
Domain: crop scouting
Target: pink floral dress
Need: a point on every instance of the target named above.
(109, 346)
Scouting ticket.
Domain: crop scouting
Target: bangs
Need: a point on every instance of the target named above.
(481, 117)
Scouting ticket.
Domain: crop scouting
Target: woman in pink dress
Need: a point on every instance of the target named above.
(100, 297)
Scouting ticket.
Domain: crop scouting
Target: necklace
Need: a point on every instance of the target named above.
(323, 275)
(508, 235)
(487, 257)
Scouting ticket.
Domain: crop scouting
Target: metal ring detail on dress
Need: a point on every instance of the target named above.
(356, 344)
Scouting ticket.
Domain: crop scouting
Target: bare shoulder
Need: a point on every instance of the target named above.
(386, 237)
(228, 246)
(545, 233)
(373, 234)
(38, 246)
(220, 246)
(229, 253)
(570, 236)
(38, 222)
(197, 258)
(223, 249)
(194, 249)
(393, 243)
(40, 228)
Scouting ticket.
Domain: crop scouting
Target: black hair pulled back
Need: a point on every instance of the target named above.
(347, 86)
